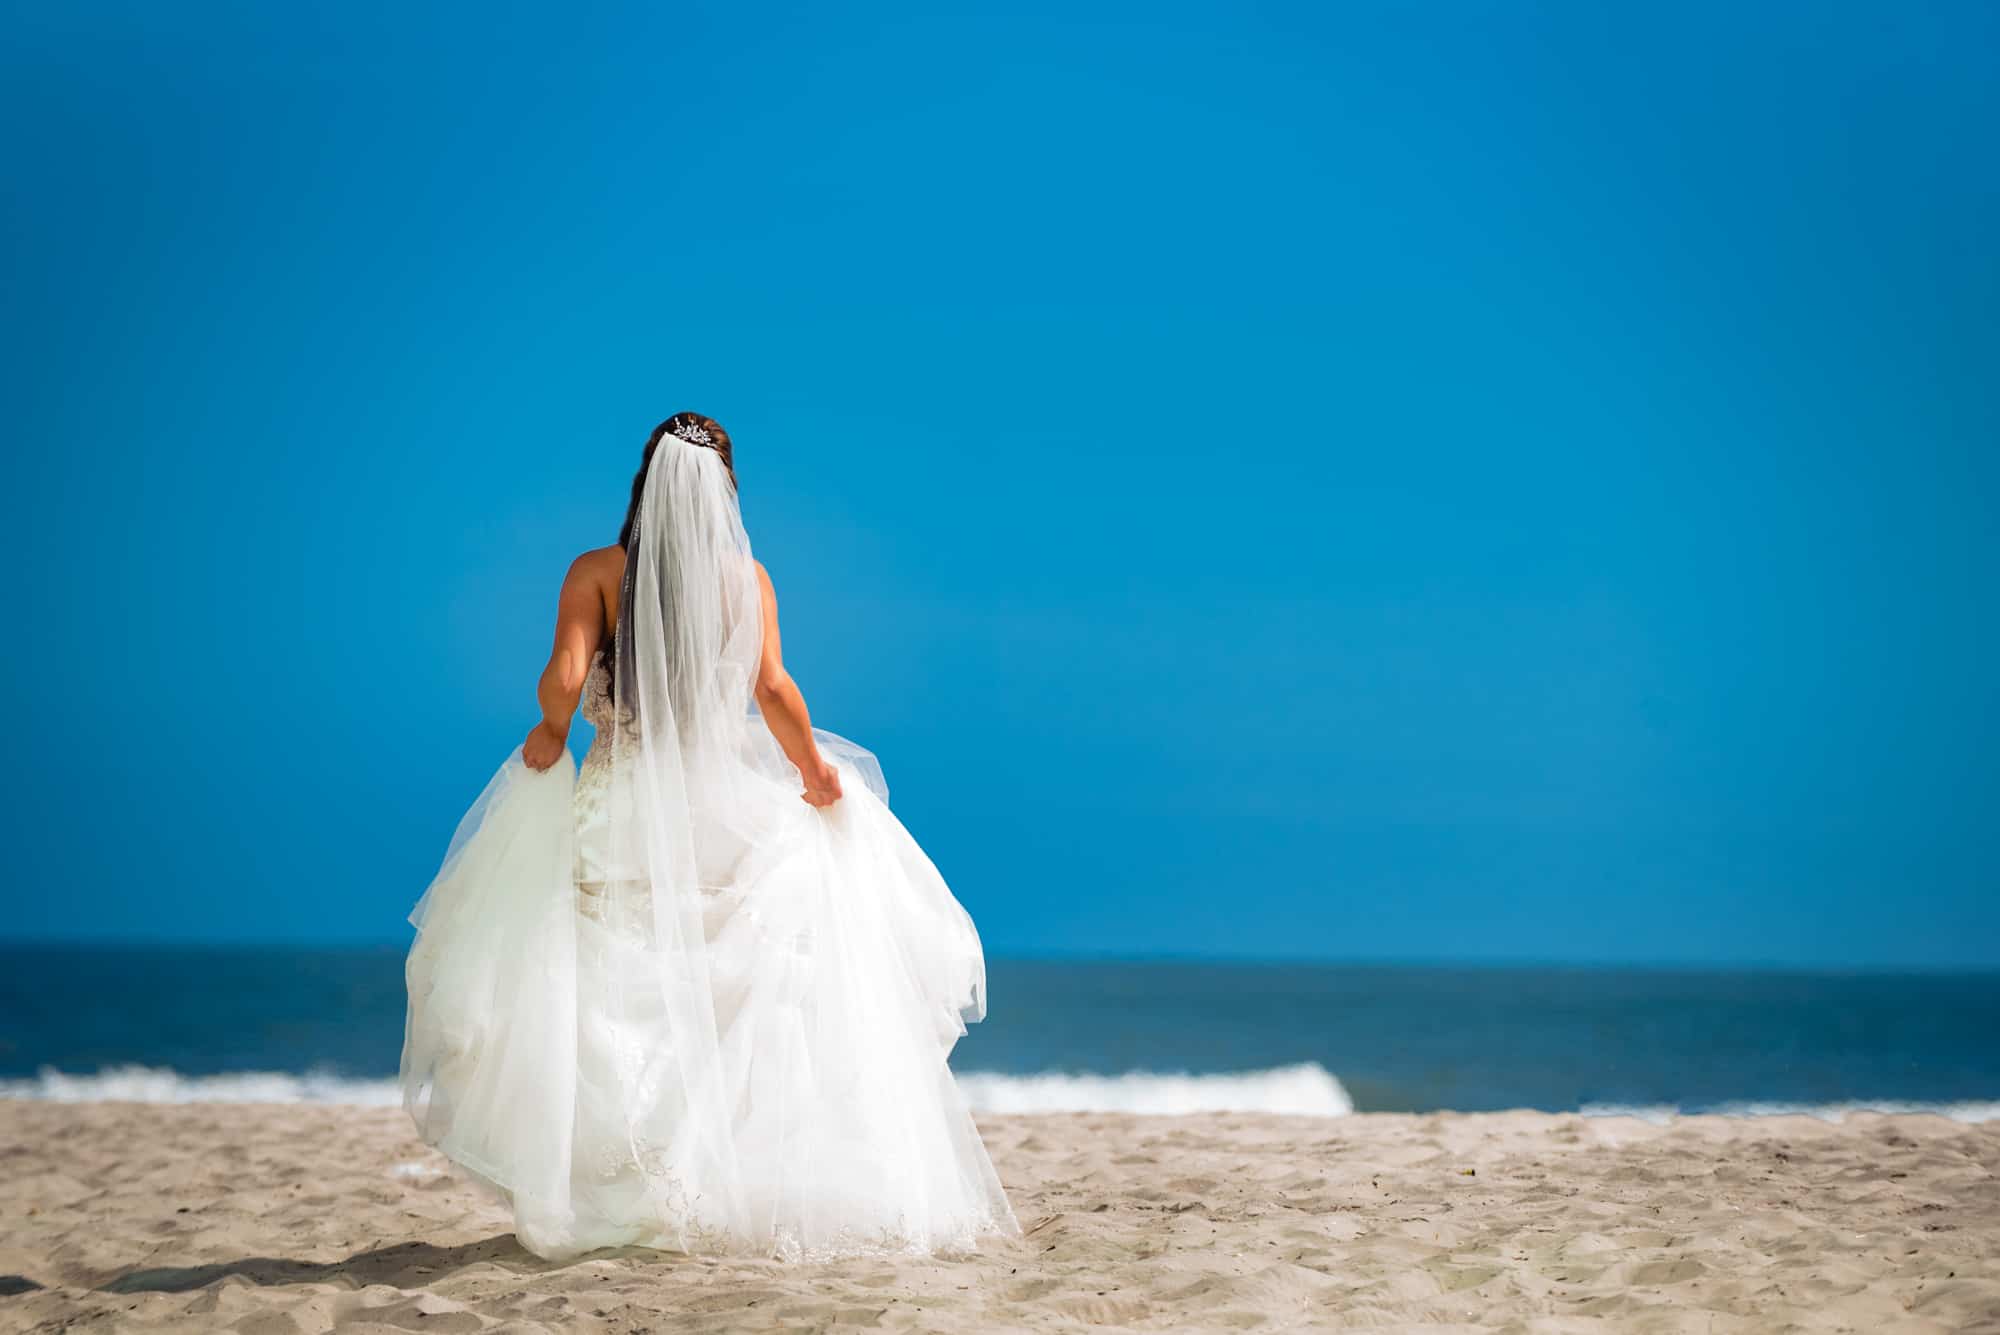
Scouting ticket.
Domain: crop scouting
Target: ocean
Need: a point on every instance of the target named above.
(289, 1023)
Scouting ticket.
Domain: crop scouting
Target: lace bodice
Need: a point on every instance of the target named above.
(597, 694)
(593, 776)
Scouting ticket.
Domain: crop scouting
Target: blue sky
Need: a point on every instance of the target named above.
(1457, 481)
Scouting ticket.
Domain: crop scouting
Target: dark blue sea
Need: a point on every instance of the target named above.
(289, 1023)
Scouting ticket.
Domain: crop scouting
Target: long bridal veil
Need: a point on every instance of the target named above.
(736, 1038)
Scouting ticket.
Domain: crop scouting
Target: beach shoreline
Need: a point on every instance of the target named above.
(268, 1219)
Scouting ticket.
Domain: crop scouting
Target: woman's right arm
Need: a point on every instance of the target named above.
(579, 632)
(783, 706)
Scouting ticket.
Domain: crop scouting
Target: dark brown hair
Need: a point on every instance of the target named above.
(718, 441)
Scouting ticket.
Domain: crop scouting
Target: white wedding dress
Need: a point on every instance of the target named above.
(663, 1002)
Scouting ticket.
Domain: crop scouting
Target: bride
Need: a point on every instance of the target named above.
(697, 994)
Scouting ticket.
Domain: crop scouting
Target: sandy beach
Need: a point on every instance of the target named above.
(274, 1219)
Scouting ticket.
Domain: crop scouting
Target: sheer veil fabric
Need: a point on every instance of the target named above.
(710, 1017)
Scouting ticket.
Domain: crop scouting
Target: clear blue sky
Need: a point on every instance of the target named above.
(1467, 481)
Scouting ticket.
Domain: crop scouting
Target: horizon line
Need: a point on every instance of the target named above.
(1440, 962)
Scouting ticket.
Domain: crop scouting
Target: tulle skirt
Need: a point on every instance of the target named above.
(548, 1037)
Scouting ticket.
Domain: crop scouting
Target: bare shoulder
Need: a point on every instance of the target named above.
(590, 589)
(599, 568)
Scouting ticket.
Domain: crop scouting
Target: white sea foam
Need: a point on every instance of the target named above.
(1308, 1089)
(162, 1084)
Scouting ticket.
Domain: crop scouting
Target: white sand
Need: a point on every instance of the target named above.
(273, 1219)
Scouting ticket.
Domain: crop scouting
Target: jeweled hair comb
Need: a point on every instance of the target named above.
(695, 433)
